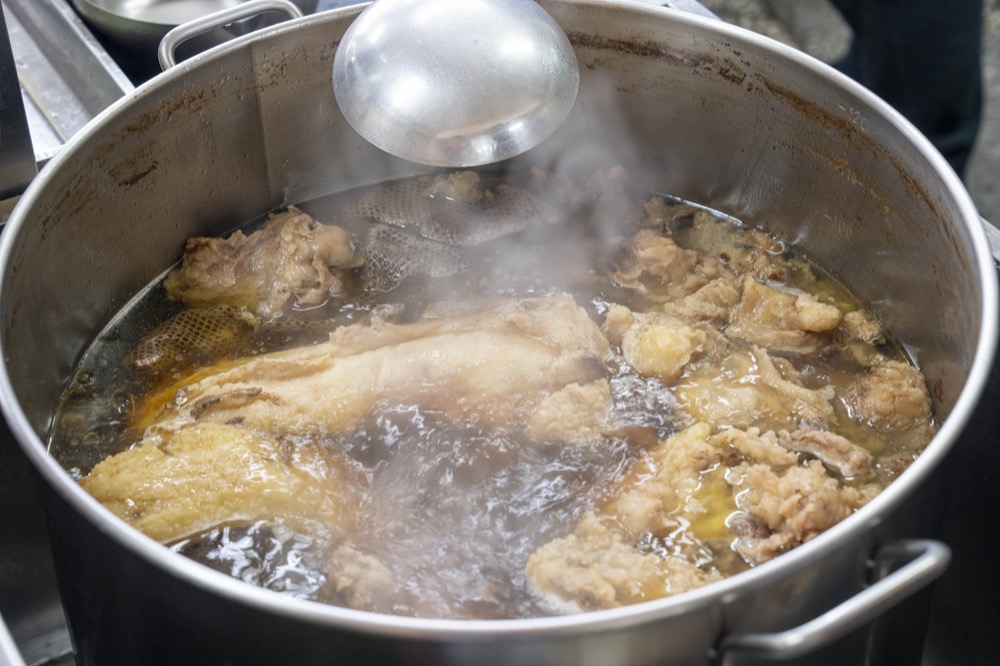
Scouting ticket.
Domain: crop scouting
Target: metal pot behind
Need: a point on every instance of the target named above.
(138, 27)
(690, 106)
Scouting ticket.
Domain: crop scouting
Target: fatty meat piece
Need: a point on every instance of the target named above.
(486, 363)
(178, 482)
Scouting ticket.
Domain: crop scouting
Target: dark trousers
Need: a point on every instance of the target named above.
(924, 58)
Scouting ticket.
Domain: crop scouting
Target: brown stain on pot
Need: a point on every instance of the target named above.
(851, 131)
(731, 72)
(136, 166)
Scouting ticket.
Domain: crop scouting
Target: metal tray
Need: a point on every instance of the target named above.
(66, 76)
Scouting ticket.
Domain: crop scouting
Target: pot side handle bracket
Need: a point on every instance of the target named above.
(185, 31)
(993, 236)
(926, 561)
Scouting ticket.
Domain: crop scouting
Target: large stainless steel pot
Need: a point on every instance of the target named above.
(692, 107)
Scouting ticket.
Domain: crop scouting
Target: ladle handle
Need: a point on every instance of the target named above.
(219, 19)
(927, 561)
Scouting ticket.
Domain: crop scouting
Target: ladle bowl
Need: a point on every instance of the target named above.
(455, 82)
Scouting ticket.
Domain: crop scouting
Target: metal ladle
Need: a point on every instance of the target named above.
(455, 82)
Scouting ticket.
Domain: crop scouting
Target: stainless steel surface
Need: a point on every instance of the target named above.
(9, 654)
(738, 139)
(29, 598)
(928, 560)
(455, 83)
(66, 76)
(17, 158)
(166, 53)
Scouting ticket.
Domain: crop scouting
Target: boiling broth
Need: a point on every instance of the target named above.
(454, 509)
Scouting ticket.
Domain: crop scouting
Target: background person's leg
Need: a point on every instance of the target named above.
(922, 57)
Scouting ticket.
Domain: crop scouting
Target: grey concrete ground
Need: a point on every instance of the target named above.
(815, 27)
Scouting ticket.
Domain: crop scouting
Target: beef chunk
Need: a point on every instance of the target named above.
(290, 261)
(892, 396)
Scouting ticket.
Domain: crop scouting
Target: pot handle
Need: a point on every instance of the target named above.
(219, 19)
(927, 561)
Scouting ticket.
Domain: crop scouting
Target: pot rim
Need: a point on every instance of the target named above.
(363, 621)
